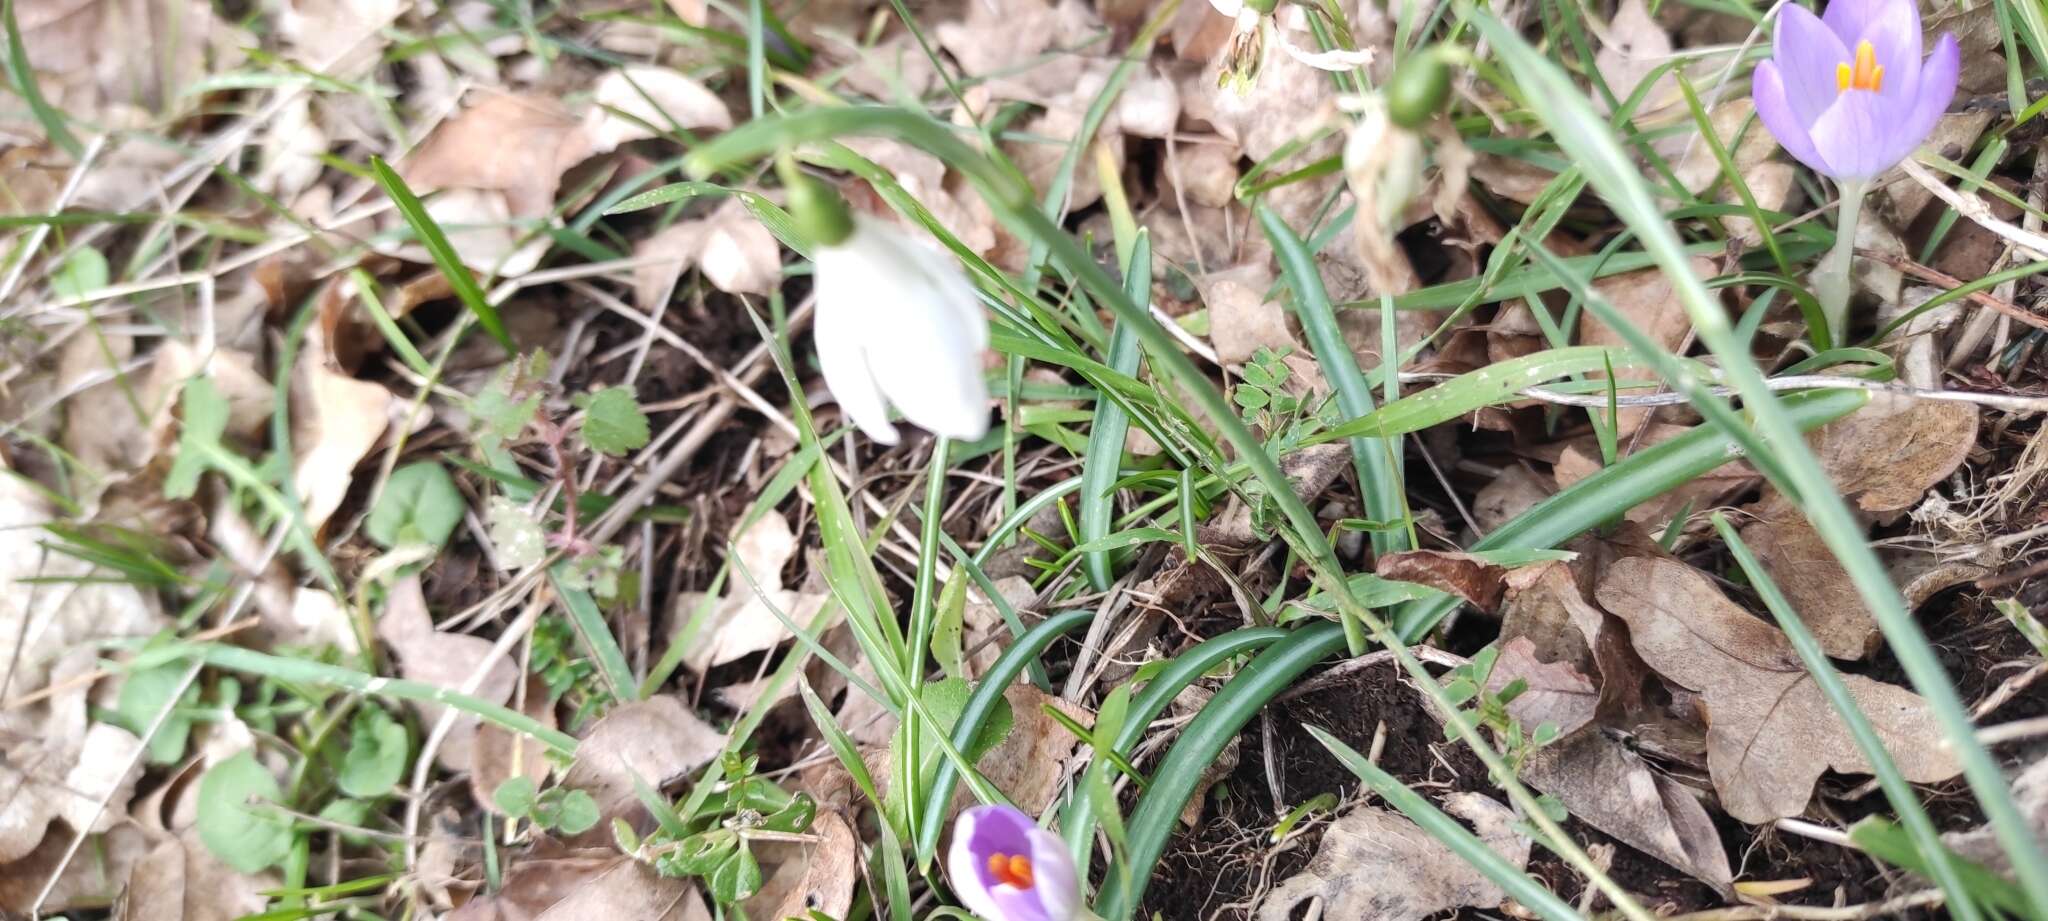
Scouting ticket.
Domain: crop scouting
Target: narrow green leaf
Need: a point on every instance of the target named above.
(429, 233)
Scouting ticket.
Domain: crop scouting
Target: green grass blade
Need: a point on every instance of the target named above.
(980, 705)
(1158, 812)
(429, 233)
(1077, 817)
(1371, 457)
(237, 659)
(24, 76)
(1495, 383)
(1103, 462)
(596, 636)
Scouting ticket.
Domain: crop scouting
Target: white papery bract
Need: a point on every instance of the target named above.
(898, 325)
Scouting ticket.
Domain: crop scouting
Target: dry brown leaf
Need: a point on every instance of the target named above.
(1581, 459)
(502, 754)
(1032, 759)
(236, 377)
(1242, 319)
(336, 420)
(1887, 455)
(1514, 491)
(479, 225)
(180, 880)
(1631, 47)
(2030, 794)
(643, 101)
(443, 660)
(55, 764)
(1311, 470)
(667, 253)
(339, 38)
(813, 876)
(1605, 785)
(1376, 865)
(1953, 136)
(1818, 587)
(1770, 731)
(1462, 574)
(517, 144)
(92, 880)
(1554, 692)
(654, 741)
(582, 885)
(739, 256)
(1007, 41)
(743, 623)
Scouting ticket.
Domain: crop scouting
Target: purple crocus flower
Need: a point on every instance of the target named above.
(1847, 92)
(1006, 868)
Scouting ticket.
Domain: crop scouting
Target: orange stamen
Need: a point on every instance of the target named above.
(1014, 869)
(1865, 74)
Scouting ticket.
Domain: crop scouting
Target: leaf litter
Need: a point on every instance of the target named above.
(1671, 701)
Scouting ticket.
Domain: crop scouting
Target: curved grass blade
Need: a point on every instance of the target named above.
(980, 705)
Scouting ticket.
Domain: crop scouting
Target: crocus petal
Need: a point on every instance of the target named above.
(1808, 52)
(967, 861)
(1855, 139)
(1937, 88)
(1058, 883)
(1855, 19)
(840, 332)
(1896, 41)
(1767, 89)
(986, 831)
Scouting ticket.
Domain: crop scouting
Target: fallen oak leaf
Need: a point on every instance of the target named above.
(1770, 730)
(445, 660)
(1376, 865)
(1602, 783)
(1552, 692)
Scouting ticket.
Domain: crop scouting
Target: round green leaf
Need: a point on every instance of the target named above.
(247, 839)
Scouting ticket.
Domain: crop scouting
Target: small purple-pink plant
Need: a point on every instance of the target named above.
(1847, 92)
(1005, 868)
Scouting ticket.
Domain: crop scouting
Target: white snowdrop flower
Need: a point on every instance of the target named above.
(897, 324)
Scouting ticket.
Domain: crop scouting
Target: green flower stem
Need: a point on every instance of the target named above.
(1831, 277)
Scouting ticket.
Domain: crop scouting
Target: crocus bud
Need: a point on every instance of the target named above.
(1005, 868)
(897, 323)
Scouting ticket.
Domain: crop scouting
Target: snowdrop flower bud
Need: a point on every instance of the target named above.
(1005, 868)
(897, 323)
